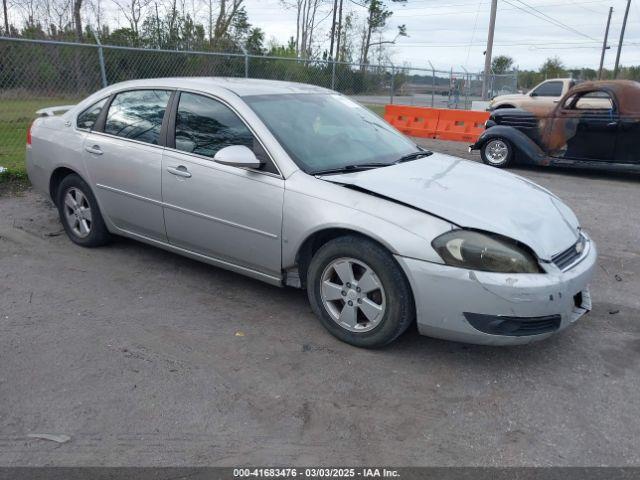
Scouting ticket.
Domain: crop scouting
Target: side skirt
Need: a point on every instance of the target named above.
(216, 262)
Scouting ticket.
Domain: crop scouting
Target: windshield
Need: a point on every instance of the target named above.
(328, 132)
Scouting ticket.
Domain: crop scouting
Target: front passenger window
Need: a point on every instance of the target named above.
(549, 89)
(204, 126)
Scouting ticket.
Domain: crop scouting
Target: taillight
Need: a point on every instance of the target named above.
(29, 134)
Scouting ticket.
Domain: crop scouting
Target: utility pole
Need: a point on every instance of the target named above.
(604, 44)
(487, 55)
(333, 29)
(624, 25)
(339, 31)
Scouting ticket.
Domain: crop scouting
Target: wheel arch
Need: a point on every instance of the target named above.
(525, 148)
(315, 240)
(59, 174)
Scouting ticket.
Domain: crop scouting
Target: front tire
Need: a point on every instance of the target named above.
(79, 213)
(359, 292)
(497, 152)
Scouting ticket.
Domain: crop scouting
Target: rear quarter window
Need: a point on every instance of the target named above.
(87, 119)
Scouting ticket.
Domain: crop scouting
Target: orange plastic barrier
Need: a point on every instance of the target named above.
(457, 125)
(414, 121)
(460, 125)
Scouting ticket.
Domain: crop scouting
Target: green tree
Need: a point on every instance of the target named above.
(553, 68)
(502, 64)
(254, 43)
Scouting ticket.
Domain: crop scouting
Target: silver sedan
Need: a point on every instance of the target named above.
(299, 186)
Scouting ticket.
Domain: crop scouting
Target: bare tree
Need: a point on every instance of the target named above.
(307, 22)
(97, 9)
(133, 11)
(61, 9)
(377, 16)
(219, 28)
(30, 11)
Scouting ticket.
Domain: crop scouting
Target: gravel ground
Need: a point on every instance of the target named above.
(143, 357)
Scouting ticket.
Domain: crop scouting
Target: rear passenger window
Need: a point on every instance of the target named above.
(87, 119)
(137, 115)
(204, 126)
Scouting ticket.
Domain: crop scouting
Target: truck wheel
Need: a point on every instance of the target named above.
(359, 292)
(497, 152)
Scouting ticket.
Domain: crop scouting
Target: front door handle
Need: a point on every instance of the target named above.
(612, 124)
(180, 171)
(95, 149)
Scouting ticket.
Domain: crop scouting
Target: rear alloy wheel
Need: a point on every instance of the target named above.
(497, 152)
(77, 212)
(80, 214)
(359, 292)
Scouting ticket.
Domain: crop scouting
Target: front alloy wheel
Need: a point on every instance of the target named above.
(353, 295)
(359, 292)
(497, 152)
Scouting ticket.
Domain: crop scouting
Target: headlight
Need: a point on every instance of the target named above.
(478, 251)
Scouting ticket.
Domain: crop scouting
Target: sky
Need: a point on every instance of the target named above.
(453, 33)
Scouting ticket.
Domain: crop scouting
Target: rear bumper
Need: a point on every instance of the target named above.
(446, 297)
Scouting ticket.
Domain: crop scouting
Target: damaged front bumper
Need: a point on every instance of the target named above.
(497, 308)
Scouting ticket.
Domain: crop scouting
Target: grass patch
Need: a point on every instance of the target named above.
(15, 118)
(377, 109)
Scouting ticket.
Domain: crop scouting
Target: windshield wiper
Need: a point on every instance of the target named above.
(351, 168)
(414, 156)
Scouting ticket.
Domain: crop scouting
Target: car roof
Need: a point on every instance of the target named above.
(626, 91)
(240, 86)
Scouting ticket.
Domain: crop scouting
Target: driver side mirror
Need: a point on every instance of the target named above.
(533, 94)
(237, 156)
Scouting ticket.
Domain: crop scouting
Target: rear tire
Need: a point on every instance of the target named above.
(80, 214)
(497, 152)
(359, 292)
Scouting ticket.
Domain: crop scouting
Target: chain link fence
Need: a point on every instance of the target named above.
(39, 73)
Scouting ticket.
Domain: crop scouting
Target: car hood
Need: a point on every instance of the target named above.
(473, 195)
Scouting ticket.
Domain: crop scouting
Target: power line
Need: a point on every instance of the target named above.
(404, 12)
(546, 44)
(547, 18)
(553, 19)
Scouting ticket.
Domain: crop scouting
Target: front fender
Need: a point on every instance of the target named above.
(529, 150)
(312, 205)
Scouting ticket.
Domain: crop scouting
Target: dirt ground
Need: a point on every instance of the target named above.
(143, 357)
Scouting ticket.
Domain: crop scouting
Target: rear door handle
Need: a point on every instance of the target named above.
(612, 124)
(95, 149)
(180, 171)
